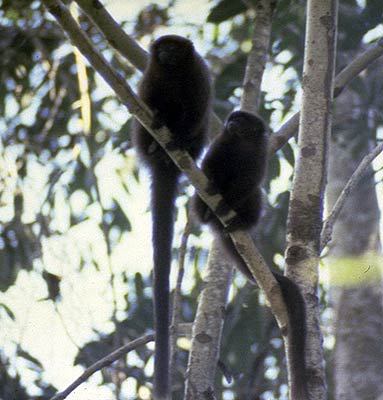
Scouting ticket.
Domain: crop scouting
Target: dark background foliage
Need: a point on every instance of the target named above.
(39, 78)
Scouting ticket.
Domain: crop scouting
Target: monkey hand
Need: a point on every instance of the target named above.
(201, 210)
(222, 209)
(211, 189)
(178, 142)
(233, 225)
(158, 122)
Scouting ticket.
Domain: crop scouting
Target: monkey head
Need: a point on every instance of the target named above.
(245, 125)
(172, 51)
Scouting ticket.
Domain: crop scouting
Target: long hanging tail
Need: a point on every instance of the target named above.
(296, 336)
(297, 322)
(164, 191)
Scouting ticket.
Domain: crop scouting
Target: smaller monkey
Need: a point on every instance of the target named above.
(236, 165)
(176, 85)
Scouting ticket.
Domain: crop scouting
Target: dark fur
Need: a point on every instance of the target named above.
(235, 165)
(176, 86)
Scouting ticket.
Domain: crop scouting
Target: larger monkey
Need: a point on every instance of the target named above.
(235, 164)
(176, 86)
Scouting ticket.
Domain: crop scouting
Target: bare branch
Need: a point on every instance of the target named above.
(285, 133)
(288, 129)
(350, 186)
(357, 66)
(104, 362)
(114, 34)
(257, 58)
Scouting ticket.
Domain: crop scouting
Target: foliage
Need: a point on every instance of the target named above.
(53, 183)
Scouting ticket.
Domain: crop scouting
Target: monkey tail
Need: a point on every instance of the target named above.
(297, 321)
(164, 191)
(296, 336)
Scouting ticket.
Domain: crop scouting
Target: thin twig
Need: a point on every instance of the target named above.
(350, 186)
(104, 362)
(53, 111)
(288, 129)
(63, 324)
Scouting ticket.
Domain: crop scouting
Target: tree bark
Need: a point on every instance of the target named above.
(258, 56)
(207, 328)
(306, 205)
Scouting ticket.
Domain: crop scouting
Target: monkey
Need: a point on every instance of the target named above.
(235, 165)
(177, 86)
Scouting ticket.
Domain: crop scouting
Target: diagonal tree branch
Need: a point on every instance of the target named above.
(114, 34)
(350, 186)
(289, 128)
(357, 66)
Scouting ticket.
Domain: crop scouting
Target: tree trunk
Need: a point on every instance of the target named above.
(207, 328)
(358, 359)
(306, 204)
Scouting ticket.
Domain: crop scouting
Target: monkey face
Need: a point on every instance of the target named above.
(172, 51)
(245, 125)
